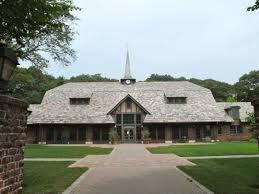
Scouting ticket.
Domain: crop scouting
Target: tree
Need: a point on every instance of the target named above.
(220, 90)
(39, 29)
(250, 119)
(166, 77)
(91, 78)
(231, 99)
(247, 85)
(31, 84)
(254, 7)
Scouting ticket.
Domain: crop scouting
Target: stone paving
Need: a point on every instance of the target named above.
(131, 169)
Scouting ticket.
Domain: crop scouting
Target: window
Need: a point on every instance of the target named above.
(73, 133)
(128, 118)
(203, 131)
(184, 132)
(50, 134)
(176, 100)
(236, 129)
(138, 119)
(220, 130)
(233, 111)
(82, 134)
(118, 119)
(160, 133)
(79, 101)
(128, 103)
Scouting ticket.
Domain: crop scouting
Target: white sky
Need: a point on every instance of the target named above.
(203, 38)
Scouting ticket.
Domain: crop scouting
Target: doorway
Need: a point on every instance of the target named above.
(129, 135)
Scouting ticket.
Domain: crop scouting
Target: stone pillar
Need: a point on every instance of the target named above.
(89, 135)
(13, 118)
(256, 109)
(168, 134)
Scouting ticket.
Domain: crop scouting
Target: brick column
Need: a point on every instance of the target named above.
(13, 118)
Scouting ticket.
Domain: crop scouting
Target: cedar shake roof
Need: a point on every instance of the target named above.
(104, 96)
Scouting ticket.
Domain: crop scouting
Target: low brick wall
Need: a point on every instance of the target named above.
(13, 117)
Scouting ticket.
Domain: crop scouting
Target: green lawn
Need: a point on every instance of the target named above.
(225, 176)
(49, 177)
(217, 149)
(44, 151)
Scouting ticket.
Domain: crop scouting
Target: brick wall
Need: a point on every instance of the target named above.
(226, 135)
(13, 116)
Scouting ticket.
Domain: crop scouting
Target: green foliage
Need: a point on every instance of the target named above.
(145, 134)
(254, 7)
(166, 77)
(220, 90)
(231, 99)
(247, 85)
(39, 29)
(91, 78)
(113, 135)
(250, 119)
(31, 84)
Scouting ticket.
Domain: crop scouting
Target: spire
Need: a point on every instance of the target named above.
(127, 79)
(127, 74)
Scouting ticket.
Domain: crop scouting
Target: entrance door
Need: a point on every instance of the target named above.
(129, 135)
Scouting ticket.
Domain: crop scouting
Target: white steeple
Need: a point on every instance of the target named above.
(127, 79)
(127, 74)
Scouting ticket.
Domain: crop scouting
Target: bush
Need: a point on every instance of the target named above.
(113, 135)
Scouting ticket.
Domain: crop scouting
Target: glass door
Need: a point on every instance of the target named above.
(129, 135)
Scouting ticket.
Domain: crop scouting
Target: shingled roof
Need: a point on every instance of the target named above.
(200, 106)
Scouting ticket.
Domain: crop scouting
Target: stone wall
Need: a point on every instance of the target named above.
(13, 117)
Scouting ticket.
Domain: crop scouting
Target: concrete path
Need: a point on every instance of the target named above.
(218, 157)
(131, 169)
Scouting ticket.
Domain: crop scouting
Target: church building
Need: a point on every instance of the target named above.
(176, 111)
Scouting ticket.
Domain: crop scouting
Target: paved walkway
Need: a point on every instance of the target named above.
(131, 169)
(215, 157)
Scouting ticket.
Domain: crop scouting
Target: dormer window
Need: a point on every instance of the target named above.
(176, 100)
(79, 101)
(233, 111)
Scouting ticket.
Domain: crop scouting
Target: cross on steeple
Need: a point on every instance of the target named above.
(127, 79)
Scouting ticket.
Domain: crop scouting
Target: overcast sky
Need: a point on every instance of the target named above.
(203, 38)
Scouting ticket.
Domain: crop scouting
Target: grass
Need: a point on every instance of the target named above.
(43, 151)
(49, 177)
(224, 176)
(217, 149)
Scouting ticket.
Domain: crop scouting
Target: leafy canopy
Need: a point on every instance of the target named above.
(39, 29)
(254, 7)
